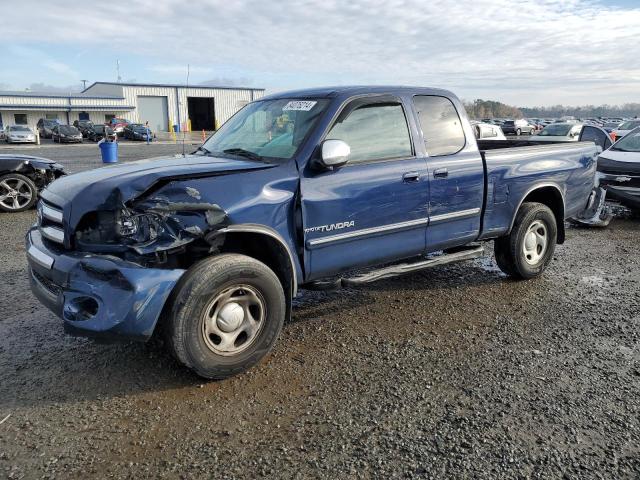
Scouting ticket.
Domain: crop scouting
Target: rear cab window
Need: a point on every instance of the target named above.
(441, 125)
(374, 132)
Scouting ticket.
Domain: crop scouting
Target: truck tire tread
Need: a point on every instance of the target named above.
(508, 249)
(190, 295)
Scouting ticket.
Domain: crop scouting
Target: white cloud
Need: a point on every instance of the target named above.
(526, 53)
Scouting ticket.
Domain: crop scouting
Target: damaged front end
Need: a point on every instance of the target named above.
(152, 231)
(111, 276)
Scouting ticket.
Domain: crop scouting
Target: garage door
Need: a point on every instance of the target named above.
(154, 110)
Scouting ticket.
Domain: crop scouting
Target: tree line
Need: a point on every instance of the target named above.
(479, 109)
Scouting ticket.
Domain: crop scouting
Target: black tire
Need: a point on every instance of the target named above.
(518, 132)
(510, 250)
(532, 131)
(25, 186)
(190, 305)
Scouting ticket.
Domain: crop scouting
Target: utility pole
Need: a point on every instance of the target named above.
(118, 70)
(84, 84)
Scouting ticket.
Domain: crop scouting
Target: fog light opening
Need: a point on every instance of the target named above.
(80, 309)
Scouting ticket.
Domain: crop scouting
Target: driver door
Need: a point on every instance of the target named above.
(375, 208)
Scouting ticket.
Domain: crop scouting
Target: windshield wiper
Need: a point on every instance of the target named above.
(203, 149)
(241, 152)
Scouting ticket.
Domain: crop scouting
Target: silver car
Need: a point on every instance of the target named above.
(19, 134)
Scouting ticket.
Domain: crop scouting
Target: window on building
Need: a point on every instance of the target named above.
(441, 125)
(51, 116)
(20, 118)
(374, 132)
(108, 117)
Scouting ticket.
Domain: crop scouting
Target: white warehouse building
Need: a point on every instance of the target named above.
(162, 105)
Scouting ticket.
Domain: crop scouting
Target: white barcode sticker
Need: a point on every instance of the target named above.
(302, 105)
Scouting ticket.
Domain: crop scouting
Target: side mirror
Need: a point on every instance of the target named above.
(334, 154)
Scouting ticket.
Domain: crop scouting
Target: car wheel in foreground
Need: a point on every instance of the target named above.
(224, 315)
(518, 132)
(17, 193)
(526, 252)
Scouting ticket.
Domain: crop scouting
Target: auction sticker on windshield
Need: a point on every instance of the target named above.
(302, 105)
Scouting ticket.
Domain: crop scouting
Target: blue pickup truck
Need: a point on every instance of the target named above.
(318, 188)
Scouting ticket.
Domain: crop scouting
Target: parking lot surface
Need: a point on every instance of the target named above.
(82, 156)
(456, 372)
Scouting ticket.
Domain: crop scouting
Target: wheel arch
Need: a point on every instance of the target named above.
(548, 194)
(266, 245)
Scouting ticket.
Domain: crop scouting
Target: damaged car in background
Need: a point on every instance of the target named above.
(22, 177)
(316, 189)
(617, 179)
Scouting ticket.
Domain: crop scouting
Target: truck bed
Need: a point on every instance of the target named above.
(516, 167)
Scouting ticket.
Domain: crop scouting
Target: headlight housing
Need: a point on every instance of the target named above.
(139, 228)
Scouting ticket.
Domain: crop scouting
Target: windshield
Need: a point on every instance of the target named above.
(269, 128)
(629, 143)
(18, 128)
(556, 130)
(630, 125)
(67, 130)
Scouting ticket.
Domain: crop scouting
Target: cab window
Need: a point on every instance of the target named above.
(441, 125)
(376, 131)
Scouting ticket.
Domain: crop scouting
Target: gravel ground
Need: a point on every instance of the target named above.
(453, 373)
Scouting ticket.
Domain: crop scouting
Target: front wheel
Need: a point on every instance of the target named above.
(518, 132)
(225, 315)
(17, 193)
(526, 252)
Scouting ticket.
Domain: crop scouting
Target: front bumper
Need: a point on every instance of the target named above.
(98, 295)
(21, 140)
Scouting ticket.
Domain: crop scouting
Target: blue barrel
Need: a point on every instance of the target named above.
(176, 128)
(109, 151)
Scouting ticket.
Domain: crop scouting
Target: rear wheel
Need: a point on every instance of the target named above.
(518, 132)
(526, 252)
(532, 131)
(225, 315)
(17, 193)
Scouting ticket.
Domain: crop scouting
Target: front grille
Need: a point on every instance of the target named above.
(46, 284)
(50, 222)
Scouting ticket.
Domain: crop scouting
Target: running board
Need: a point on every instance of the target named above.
(467, 253)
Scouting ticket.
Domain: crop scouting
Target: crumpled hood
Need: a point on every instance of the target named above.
(109, 187)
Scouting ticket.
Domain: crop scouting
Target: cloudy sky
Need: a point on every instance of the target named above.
(524, 53)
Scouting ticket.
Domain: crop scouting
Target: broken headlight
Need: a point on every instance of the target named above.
(140, 228)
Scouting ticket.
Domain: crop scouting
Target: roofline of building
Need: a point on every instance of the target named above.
(68, 108)
(171, 85)
(49, 95)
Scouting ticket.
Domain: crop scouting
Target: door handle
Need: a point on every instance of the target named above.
(440, 173)
(411, 177)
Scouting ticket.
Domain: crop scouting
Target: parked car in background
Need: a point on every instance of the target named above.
(22, 177)
(518, 127)
(624, 128)
(84, 126)
(137, 131)
(560, 132)
(118, 125)
(97, 133)
(66, 134)
(619, 169)
(611, 126)
(487, 131)
(298, 189)
(45, 127)
(19, 134)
